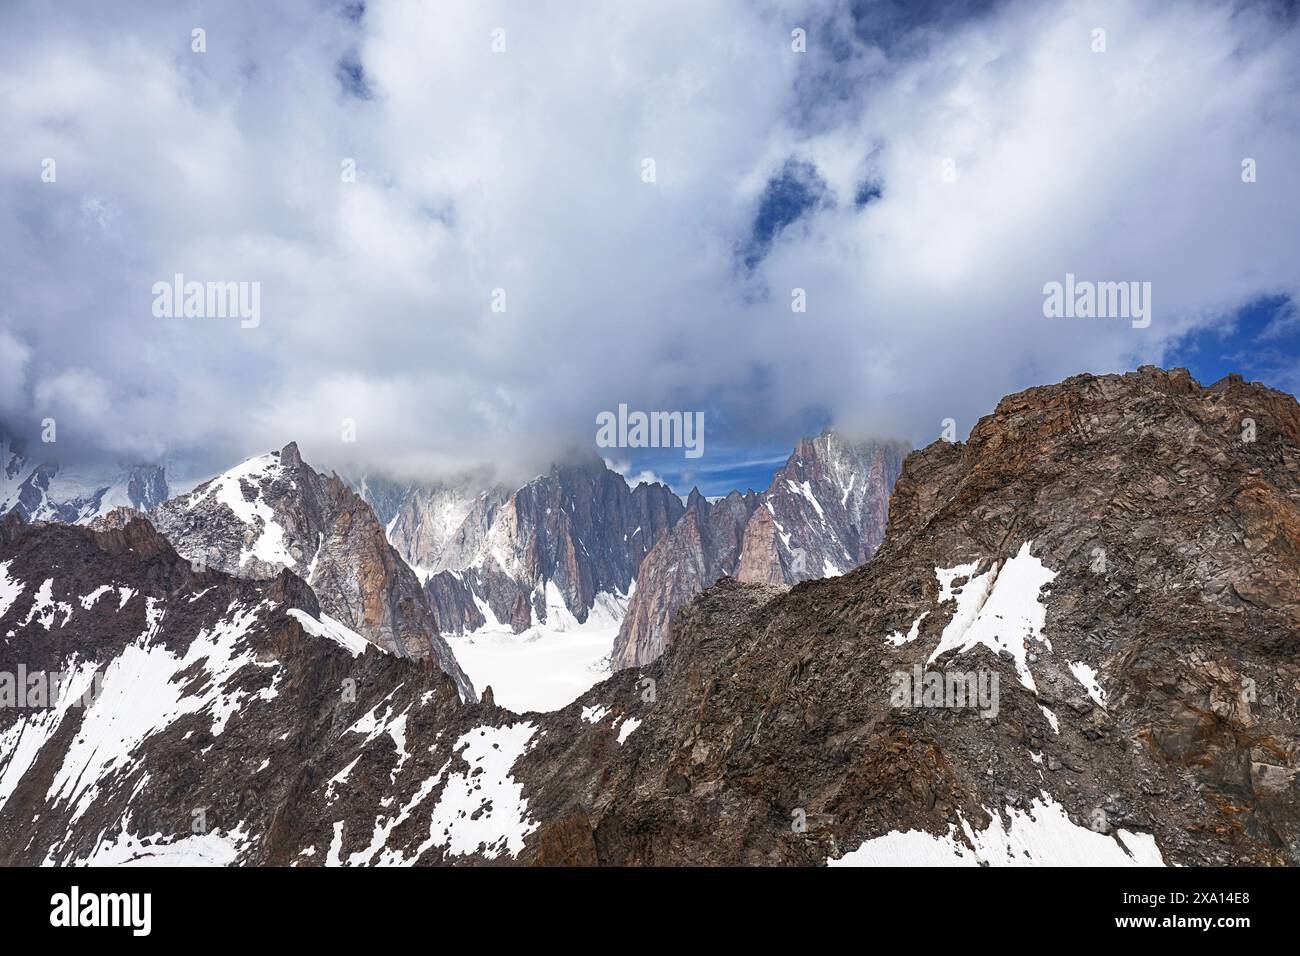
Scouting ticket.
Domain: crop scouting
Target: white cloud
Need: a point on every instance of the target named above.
(74, 394)
(13, 370)
(521, 171)
(633, 477)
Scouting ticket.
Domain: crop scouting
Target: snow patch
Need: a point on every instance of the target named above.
(1040, 836)
(898, 638)
(1087, 676)
(45, 609)
(89, 600)
(999, 609)
(484, 810)
(206, 849)
(805, 490)
(392, 724)
(10, 588)
(1051, 719)
(627, 727)
(331, 630)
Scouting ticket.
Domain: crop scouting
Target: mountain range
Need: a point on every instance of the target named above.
(547, 549)
(552, 548)
(577, 550)
(823, 514)
(36, 487)
(1115, 559)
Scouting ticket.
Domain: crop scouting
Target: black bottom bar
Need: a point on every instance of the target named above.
(565, 907)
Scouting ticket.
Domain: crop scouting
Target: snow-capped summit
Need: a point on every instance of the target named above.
(274, 512)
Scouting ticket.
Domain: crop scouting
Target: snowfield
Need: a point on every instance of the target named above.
(549, 665)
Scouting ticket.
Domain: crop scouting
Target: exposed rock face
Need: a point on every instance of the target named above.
(431, 527)
(385, 497)
(829, 506)
(1110, 548)
(275, 512)
(435, 526)
(451, 598)
(548, 548)
(759, 562)
(825, 512)
(703, 546)
(43, 491)
(465, 545)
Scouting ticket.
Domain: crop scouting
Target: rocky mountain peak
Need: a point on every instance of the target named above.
(1120, 552)
(216, 672)
(274, 512)
(550, 547)
(824, 513)
(290, 457)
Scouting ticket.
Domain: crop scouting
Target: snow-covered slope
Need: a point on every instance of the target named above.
(175, 680)
(549, 665)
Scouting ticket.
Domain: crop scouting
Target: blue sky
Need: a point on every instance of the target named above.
(730, 469)
(502, 267)
(1260, 342)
